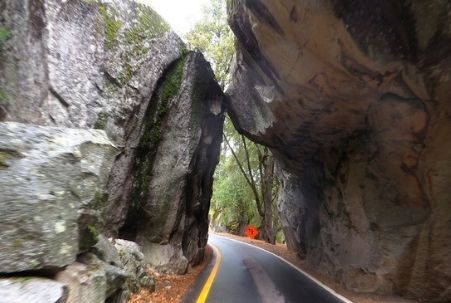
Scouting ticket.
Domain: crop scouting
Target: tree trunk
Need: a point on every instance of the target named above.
(264, 199)
(267, 188)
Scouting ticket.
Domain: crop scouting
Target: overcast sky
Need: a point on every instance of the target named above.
(180, 14)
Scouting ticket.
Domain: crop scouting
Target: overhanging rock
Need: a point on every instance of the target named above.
(353, 97)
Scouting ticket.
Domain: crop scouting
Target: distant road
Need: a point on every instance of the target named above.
(247, 274)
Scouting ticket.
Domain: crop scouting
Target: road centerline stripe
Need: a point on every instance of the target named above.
(207, 286)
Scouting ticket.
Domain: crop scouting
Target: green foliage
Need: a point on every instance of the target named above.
(280, 237)
(240, 178)
(230, 5)
(4, 35)
(234, 199)
(232, 204)
(214, 38)
(112, 25)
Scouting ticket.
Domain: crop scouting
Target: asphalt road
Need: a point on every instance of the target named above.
(247, 274)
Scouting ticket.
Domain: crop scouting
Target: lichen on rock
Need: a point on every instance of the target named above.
(48, 179)
(148, 25)
(111, 23)
(126, 79)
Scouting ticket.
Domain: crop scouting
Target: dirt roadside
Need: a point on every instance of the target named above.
(171, 288)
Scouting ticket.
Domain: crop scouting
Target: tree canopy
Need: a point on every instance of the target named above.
(214, 38)
(245, 186)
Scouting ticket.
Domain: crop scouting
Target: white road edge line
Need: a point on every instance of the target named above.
(327, 288)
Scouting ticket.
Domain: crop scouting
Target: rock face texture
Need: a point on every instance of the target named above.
(132, 258)
(67, 68)
(100, 61)
(32, 290)
(353, 99)
(51, 180)
(168, 213)
(85, 284)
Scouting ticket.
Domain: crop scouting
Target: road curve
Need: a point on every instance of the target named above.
(247, 274)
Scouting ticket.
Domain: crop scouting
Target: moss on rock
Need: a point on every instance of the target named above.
(168, 88)
(100, 200)
(172, 82)
(130, 37)
(127, 71)
(148, 25)
(93, 231)
(111, 24)
(101, 121)
(88, 237)
(4, 35)
(3, 96)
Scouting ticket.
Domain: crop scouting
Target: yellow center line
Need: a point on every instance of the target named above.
(207, 286)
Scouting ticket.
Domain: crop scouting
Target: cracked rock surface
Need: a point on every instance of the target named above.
(51, 179)
(71, 71)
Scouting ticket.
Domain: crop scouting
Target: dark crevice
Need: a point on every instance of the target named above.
(59, 97)
(111, 79)
(264, 15)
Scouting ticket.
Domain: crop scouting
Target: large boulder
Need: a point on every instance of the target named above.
(106, 251)
(109, 272)
(86, 283)
(116, 65)
(171, 208)
(133, 263)
(32, 290)
(353, 99)
(105, 80)
(118, 50)
(51, 183)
